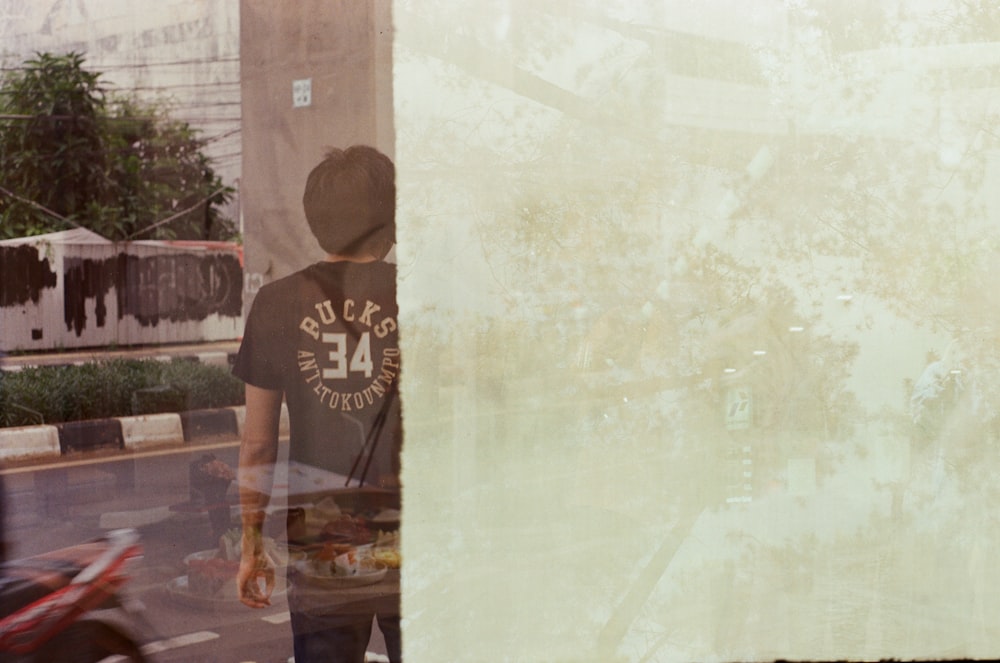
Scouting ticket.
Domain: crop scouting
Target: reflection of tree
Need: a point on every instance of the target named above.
(894, 183)
(586, 220)
(738, 331)
(627, 303)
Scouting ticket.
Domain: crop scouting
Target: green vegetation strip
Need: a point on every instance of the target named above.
(113, 388)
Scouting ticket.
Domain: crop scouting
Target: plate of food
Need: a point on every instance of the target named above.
(386, 549)
(211, 574)
(335, 567)
(229, 550)
(384, 520)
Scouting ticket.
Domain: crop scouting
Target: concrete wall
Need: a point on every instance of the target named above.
(344, 49)
(60, 293)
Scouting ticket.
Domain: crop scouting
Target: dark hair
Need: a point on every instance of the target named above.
(350, 202)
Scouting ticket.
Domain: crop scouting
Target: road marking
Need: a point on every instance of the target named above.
(179, 641)
(175, 642)
(280, 618)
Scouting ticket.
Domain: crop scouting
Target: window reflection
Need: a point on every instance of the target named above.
(697, 307)
(696, 415)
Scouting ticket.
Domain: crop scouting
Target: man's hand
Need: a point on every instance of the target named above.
(258, 453)
(254, 566)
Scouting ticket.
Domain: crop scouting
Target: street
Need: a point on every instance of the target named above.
(72, 501)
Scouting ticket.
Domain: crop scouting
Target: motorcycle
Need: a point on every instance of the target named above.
(67, 605)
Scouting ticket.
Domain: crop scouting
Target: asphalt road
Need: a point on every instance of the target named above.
(73, 501)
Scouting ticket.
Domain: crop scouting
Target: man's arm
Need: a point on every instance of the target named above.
(258, 453)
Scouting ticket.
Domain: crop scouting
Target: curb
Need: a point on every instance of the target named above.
(29, 442)
(90, 435)
(150, 430)
(132, 433)
(208, 423)
(136, 433)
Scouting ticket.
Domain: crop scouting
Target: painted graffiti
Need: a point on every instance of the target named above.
(25, 276)
(177, 288)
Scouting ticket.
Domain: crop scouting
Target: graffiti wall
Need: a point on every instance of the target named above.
(69, 291)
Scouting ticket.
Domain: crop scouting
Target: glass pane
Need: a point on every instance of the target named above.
(699, 328)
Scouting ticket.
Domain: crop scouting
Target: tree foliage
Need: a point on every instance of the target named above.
(71, 155)
(905, 202)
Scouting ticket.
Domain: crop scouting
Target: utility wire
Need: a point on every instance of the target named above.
(41, 207)
(138, 232)
(179, 214)
(141, 65)
(227, 134)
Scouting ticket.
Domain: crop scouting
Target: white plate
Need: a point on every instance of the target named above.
(280, 556)
(178, 590)
(308, 573)
(201, 555)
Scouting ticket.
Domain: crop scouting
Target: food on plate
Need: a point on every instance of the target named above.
(347, 529)
(327, 509)
(212, 577)
(212, 573)
(230, 547)
(386, 516)
(386, 520)
(229, 544)
(355, 561)
(317, 515)
(297, 527)
(339, 560)
(331, 550)
(390, 558)
(386, 549)
(387, 540)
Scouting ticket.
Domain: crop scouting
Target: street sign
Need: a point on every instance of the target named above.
(739, 408)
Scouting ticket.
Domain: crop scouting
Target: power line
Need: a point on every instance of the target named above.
(183, 85)
(210, 120)
(136, 118)
(40, 116)
(213, 104)
(221, 136)
(43, 208)
(179, 214)
(140, 65)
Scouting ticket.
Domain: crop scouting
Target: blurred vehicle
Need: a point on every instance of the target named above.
(67, 605)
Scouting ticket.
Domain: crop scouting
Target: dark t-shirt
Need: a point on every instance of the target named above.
(327, 337)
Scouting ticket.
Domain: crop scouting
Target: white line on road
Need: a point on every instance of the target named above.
(280, 618)
(179, 641)
(120, 457)
(175, 642)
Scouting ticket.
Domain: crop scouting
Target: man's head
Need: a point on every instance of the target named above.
(350, 202)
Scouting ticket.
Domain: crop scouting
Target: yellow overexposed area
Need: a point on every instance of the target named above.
(699, 313)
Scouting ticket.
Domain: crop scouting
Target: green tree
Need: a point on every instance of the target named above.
(52, 151)
(72, 156)
(905, 204)
(166, 184)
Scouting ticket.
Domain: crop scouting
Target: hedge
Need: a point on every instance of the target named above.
(113, 388)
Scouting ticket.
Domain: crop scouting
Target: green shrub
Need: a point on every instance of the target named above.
(206, 386)
(54, 394)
